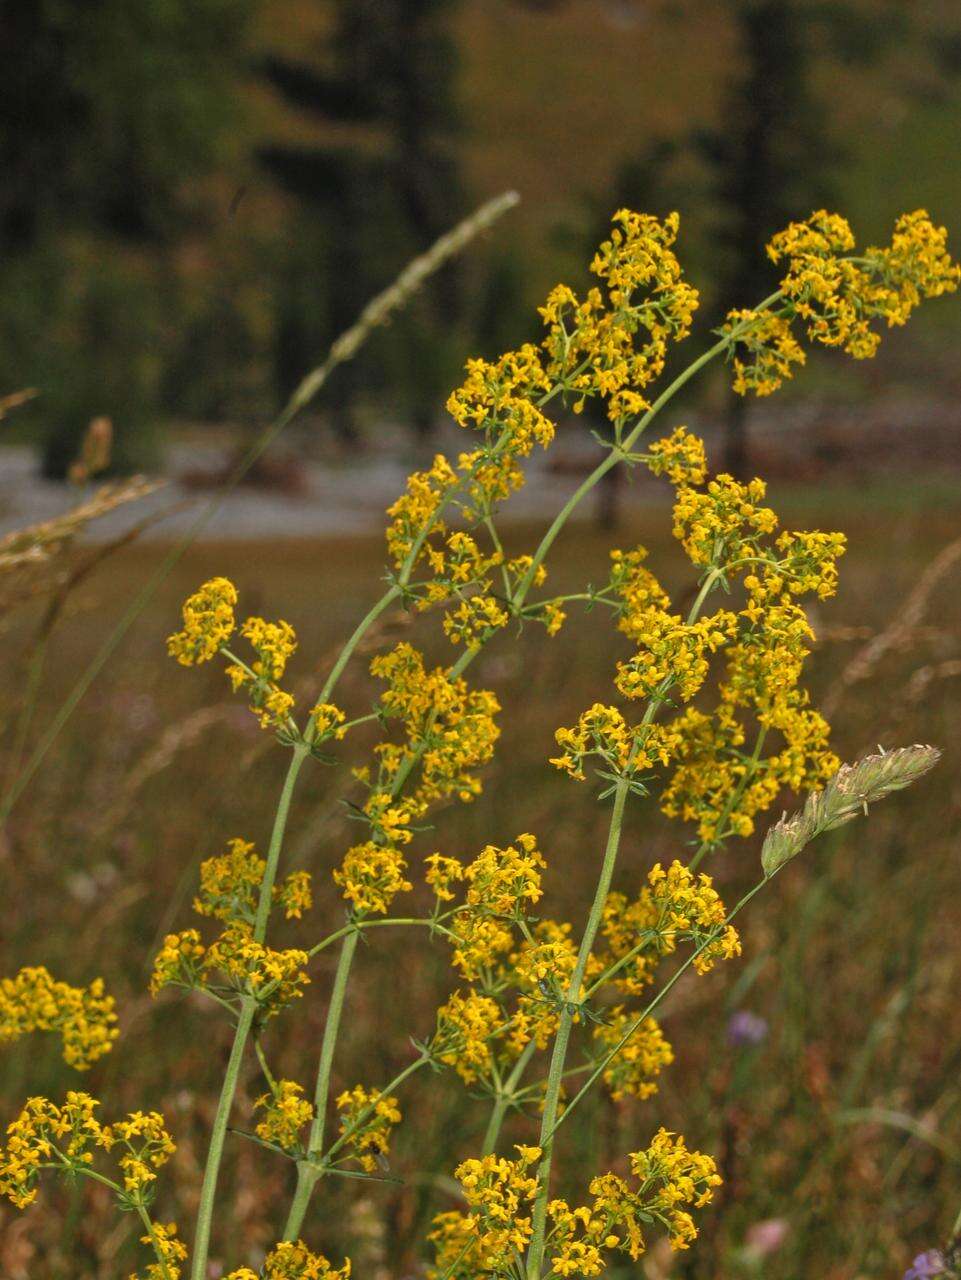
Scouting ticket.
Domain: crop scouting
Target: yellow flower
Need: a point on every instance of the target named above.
(722, 524)
(274, 977)
(474, 619)
(679, 456)
(179, 961)
(613, 347)
(84, 1016)
(441, 873)
(274, 643)
(466, 1029)
(292, 1260)
(669, 1176)
(676, 905)
(230, 885)
(368, 1117)
(70, 1135)
(327, 717)
(286, 1112)
(208, 623)
(497, 1228)
(144, 1145)
(448, 725)
(173, 1251)
(371, 876)
(638, 1063)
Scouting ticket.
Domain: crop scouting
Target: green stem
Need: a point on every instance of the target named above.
(609, 1057)
(307, 1172)
(248, 1009)
(144, 1217)
(558, 1057)
(427, 922)
(956, 1230)
(208, 1191)
(369, 618)
(535, 1257)
(276, 843)
(363, 1115)
(505, 1096)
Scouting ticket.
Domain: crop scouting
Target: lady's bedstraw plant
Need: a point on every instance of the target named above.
(528, 989)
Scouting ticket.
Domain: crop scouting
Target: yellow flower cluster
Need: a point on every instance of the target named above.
(84, 1016)
(669, 1176)
(633, 1072)
(501, 400)
(496, 399)
(371, 876)
(292, 1260)
(466, 1028)
(145, 1147)
(67, 1137)
(286, 1111)
(679, 456)
(541, 970)
(721, 524)
(765, 350)
(492, 1237)
(725, 528)
(327, 719)
(672, 653)
(615, 348)
(837, 296)
(274, 977)
(674, 906)
(458, 566)
(441, 873)
(603, 732)
(502, 886)
(179, 962)
(449, 731)
(714, 783)
(172, 1252)
(208, 623)
(450, 723)
(522, 985)
(474, 620)
(368, 1117)
(687, 906)
(273, 643)
(414, 514)
(230, 885)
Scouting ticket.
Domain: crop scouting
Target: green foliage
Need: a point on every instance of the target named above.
(112, 109)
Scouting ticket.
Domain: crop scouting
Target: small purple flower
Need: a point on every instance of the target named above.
(926, 1265)
(746, 1028)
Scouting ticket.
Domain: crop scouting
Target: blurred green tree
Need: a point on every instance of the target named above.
(109, 110)
(383, 184)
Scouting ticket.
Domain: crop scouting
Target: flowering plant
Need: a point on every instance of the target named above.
(711, 717)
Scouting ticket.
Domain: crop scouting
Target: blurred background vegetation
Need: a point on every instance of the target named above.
(196, 197)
